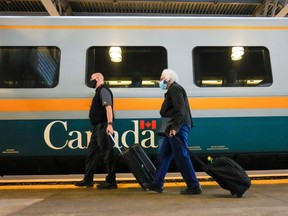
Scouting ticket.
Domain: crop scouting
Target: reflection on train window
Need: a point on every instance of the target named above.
(232, 66)
(127, 66)
(29, 67)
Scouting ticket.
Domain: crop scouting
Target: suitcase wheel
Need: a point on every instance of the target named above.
(238, 195)
(144, 188)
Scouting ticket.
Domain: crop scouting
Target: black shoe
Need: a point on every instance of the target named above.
(153, 187)
(192, 190)
(106, 185)
(83, 183)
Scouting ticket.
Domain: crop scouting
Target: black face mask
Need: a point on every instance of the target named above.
(93, 83)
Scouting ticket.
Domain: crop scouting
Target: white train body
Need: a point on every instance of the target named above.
(52, 122)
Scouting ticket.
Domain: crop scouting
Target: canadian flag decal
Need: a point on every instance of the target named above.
(147, 124)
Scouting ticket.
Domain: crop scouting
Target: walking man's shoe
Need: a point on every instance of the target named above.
(84, 183)
(106, 185)
(192, 190)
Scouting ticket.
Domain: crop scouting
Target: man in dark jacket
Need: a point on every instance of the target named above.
(100, 146)
(176, 107)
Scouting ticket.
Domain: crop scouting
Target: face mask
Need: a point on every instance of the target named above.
(163, 84)
(93, 83)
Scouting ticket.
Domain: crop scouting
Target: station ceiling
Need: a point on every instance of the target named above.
(222, 8)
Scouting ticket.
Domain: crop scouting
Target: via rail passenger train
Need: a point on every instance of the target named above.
(233, 69)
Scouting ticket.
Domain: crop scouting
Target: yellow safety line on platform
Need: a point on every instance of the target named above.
(129, 185)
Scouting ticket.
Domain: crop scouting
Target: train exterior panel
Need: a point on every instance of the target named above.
(44, 127)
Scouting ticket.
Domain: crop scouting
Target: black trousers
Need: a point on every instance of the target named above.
(100, 147)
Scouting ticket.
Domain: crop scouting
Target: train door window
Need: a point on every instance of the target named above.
(232, 67)
(29, 67)
(127, 66)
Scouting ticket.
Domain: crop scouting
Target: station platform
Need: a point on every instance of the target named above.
(265, 197)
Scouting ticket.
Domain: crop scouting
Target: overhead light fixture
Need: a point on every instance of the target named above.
(237, 53)
(115, 54)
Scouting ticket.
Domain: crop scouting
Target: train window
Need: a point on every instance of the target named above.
(232, 66)
(127, 66)
(29, 67)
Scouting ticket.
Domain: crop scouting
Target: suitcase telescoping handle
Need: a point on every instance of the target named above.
(117, 146)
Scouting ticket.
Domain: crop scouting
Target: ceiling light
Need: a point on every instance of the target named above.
(237, 53)
(115, 54)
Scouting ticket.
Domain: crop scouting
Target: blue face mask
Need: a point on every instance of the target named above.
(163, 84)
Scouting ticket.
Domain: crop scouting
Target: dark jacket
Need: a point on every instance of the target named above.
(176, 106)
(97, 113)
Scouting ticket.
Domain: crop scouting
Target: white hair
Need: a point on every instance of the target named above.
(170, 75)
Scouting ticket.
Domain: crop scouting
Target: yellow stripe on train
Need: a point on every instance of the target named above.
(131, 27)
(83, 104)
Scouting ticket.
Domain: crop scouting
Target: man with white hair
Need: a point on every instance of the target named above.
(176, 107)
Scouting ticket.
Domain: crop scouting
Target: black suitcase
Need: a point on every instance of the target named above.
(139, 164)
(226, 172)
(229, 175)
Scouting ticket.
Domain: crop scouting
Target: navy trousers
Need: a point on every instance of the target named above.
(171, 148)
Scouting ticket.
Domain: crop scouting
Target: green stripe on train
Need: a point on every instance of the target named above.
(210, 135)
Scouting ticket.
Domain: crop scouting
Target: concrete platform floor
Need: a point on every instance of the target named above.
(263, 198)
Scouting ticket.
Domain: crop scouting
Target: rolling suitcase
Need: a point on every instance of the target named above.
(229, 175)
(139, 163)
(225, 171)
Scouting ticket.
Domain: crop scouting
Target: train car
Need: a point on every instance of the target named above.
(233, 69)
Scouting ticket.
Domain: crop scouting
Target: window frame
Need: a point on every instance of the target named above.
(139, 66)
(29, 66)
(209, 73)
